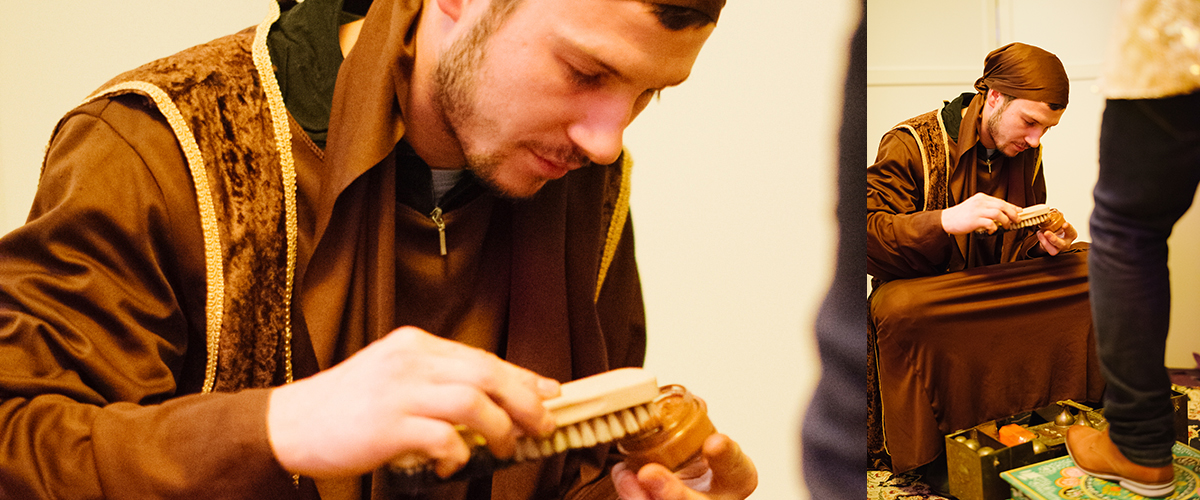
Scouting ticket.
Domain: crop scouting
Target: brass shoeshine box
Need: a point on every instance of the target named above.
(975, 457)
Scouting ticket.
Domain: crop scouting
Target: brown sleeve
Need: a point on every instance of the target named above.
(1030, 247)
(101, 321)
(902, 240)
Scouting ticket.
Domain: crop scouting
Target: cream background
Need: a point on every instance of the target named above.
(910, 71)
(733, 192)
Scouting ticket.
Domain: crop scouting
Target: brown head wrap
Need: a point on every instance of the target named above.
(711, 8)
(1025, 72)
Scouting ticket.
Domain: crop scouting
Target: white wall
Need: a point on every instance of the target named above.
(733, 192)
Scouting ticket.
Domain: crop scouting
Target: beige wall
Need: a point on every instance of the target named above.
(733, 190)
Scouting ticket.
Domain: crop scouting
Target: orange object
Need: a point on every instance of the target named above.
(1013, 434)
(682, 427)
(1054, 222)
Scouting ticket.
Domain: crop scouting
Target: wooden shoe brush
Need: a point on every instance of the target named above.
(1040, 215)
(590, 411)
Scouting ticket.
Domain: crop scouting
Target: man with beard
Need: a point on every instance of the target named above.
(236, 256)
(958, 297)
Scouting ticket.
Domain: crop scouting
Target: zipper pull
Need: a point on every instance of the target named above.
(436, 215)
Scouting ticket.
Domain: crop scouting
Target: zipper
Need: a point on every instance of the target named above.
(436, 216)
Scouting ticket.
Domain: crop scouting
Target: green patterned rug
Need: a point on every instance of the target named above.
(882, 485)
(1060, 478)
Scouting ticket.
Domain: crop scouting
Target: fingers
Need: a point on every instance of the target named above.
(515, 390)
(431, 440)
(729, 475)
(626, 483)
(403, 395)
(1009, 213)
(980, 213)
(660, 484)
(986, 226)
(1054, 243)
(1068, 233)
(520, 392)
(734, 474)
(1001, 214)
(465, 406)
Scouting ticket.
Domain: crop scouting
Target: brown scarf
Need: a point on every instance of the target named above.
(1025, 72)
(366, 120)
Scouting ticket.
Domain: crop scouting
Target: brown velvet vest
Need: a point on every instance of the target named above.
(930, 133)
(213, 96)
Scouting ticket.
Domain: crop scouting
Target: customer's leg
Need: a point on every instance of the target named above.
(1149, 159)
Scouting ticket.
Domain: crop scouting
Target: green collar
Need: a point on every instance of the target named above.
(305, 51)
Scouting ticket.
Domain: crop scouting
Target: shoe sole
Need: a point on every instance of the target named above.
(1143, 489)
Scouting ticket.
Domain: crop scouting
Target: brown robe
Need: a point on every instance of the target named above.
(104, 312)
(964, 329)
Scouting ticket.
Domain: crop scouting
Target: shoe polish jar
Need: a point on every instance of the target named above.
(677, 436)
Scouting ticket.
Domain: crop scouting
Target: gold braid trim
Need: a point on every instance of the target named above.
(283, 143)
(617, 225)
(1037, 167)
(214, 269)
(924, 158)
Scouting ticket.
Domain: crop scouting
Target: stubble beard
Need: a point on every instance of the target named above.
(456, 85)
(993, 128)
(455, 89)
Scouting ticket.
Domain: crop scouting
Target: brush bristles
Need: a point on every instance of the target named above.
(413, 473)
(1031, 221)
(599, 430)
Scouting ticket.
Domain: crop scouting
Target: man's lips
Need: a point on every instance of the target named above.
(556, 168)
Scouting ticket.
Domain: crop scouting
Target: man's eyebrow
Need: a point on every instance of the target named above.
(1036, 120)
(581, 51)
(592, 58)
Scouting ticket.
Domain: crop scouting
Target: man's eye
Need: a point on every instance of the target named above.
(585, 79)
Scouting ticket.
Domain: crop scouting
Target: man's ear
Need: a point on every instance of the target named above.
(993, 97)
(452, 8)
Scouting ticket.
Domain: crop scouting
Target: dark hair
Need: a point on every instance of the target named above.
(676, 18)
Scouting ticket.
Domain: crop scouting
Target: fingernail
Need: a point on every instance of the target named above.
(548, 388)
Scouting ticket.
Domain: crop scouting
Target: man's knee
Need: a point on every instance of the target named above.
(898, 303)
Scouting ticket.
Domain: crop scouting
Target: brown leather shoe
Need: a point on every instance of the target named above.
(1094, 453)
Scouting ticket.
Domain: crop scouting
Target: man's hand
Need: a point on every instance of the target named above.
(979, 212)
(1053, 243)
(722, 472)
(403, 394)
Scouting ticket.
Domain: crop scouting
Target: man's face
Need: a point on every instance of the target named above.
(1018, 124)
(552, 87)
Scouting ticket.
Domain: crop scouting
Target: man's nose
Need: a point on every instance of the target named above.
(1035, 138)
(599, 132)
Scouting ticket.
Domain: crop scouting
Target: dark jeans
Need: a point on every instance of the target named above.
(1149, 169)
